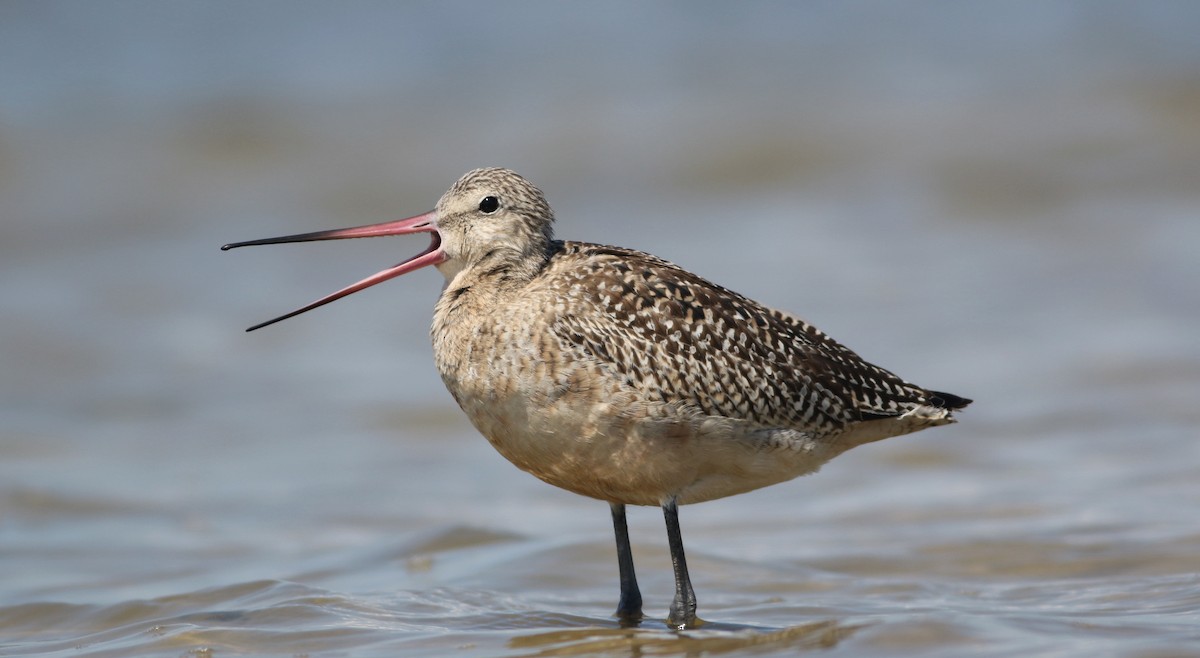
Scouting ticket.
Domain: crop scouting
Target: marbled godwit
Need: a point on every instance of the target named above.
(617, 375)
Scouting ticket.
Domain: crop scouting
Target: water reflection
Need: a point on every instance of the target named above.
(710, 639)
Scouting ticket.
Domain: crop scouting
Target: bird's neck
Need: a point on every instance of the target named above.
(499, 270)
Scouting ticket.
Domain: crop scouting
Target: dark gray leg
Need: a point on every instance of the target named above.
(630, 607)
(683, 608)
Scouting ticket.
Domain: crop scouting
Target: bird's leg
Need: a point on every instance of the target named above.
(630, 607)
(683, 608)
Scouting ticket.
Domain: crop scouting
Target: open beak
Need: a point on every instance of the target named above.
(433, 255)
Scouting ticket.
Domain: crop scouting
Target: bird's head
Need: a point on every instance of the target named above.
(491, 222)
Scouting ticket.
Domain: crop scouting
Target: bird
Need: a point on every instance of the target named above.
(620, 376)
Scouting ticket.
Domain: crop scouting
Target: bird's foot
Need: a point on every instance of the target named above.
(629, 618)
(629, 611)
(682, 616)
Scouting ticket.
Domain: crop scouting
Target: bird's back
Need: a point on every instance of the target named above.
(677, 337)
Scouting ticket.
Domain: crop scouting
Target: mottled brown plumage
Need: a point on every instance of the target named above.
(620, 376)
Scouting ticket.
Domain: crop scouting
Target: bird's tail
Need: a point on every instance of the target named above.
(948, 401)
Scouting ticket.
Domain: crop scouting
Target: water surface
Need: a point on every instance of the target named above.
(1000, 201)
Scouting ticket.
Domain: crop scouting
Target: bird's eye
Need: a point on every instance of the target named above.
(489, 204)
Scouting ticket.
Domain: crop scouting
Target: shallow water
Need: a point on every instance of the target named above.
(1002, 202)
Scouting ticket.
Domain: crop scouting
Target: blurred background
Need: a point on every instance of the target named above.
(998, 199)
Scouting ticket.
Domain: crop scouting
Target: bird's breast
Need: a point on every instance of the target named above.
(571, 421)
